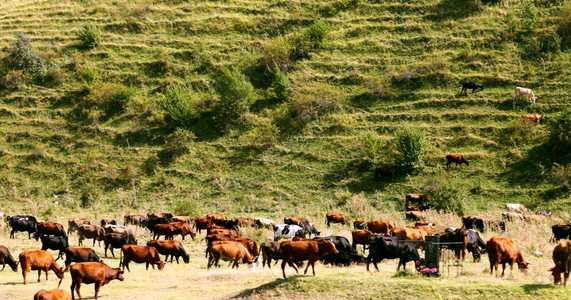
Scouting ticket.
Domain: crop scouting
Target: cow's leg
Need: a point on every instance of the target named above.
(97, 287)
(147, 266)
(72, 289)
(12, 233)
(24, 273)
(307, 267)
(39, 274)
(566, 277)
(283, 267)
(3, 265)
(313, 267)
(113, 254)
(210, 262)
(503, 269)
(78, 284)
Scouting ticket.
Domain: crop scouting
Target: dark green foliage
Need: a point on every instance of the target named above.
(375, 148)
(412, 145)
(236, 96)
(176, 144)
(178, 107)
(276, 54)
(446, 195)
(318, 32)
(343, 5)
(23, 56)
(107, 98)
(51, 76)
(89, 75)
(89, 195)
(564, 28)
(281, 85)
(560, 138)
(187, 207)
(89, 36)
(151, 165)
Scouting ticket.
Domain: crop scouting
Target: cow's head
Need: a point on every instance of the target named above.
(119, 274)
(161, 265)
(556, 275)
(186, 258)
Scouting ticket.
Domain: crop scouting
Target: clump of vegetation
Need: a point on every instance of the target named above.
(281, 85)
(89, 195)
(412, 146)
(89, 36)
(177, 105)
(564, 28)
(176, 144)
(276, 54)
(188, 206)
(236, 96)
(375, 148)
(318, 32)
(88, 75)
(560, 138)
(23, 56)
(312, 101)
(446, 195)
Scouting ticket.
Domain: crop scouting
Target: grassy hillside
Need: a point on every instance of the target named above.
(83, 130)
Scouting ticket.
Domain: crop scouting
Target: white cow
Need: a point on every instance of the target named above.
(523, 92)
(287, 231)
(516, 207)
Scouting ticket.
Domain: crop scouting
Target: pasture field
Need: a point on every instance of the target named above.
(192, 281)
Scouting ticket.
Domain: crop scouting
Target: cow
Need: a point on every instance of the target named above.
(560, 232)
(92, 272)
(415, 199)
(73, 254)
(117, 240)
(415, 215)
(22, 223)
(311, 251)
(512, 216)
(270, 250)
(413, 234)
(136, 220)
(347, 254)
(214, 217)
(55, 243)
(245, 222)
(309, 228)
(383, 172)
(153, 220)
(469, 239)
(383, 227)
(471, 85)
(264, 223)
(52, 295)
(217, 237)
(523, 92)
(531, 119)
(359, 224)
(230, 251)
(231, 232)
(49, 228)
(250, 245)
(391, 247)
(287, 231)
(229, 224)
(74, 223)
(360, 237)
(165, 215)
(336, 218)
(90, 232)
(39, 260)
(201, 224)
(428, 229)
(172, 248)
(516, 207)
(418, 207)
(184, 219)
(6, 258)
(423, 223)
(141, 254)
(108, 221)
(294, 221)
(562, 260)
(456, 158)
(119, 229)
(480, 223)
(171, 229)
(544, 212)
(502, 251)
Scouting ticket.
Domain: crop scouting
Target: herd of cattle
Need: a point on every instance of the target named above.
(382, 239)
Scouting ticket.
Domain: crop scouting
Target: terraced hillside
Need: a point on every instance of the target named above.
(86, 130)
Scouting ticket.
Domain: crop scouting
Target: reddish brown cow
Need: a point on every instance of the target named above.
(214, 217)
(136, 220)
(359, 224)
(336, 218)
(360, 237)
(456, 158)
(562, 260)
(294, 221)
(422, 223)
(217, 237)
(108, 221)
(429, 230)
(245, 222)
(415, 199)
(90, 232)
(531, 119)
(311, 251)
(49, 228)
(270, 250)
(230, 232)
(171, 229)
(383, 227)
(250, 245)
(229, 251)
(413, 234)
(39, 260)
(74, 223)
(502, 251)
(201, 223)
(6, 258)
(52, 295)
(184, 219)
(141, 254)
(384, 172)
(415, 215)
(172, 248)
(92, 272)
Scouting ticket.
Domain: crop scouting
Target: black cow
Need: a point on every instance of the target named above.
(544, 213)
(116, 240)
(230, 224)
(343, 258)
(153, 220)
(73, 254)
(55, 243)
(560, 232)
(471, 85)
(469, 238)
(341, 243)
(309, 228)
(391, 247)
(22, 223)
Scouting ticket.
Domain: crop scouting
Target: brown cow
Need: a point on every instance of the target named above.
(428, 229)
(90, 232)
(136, 220)
(360, 237)
(141, 254)
(415, 199)
(415, 215)
(49, 228)
(39, 260)
(413, 234)
(294, 221)
(336, 218)
(74, 223)
(383, 227)
(270, 250)
(502, 251)
(92, 272)
(422, 223)
(213, 217)
(108, 221)
(172, 248)
(383, 172)
(52, 295)
(512, 216)
(184, 219)
(562, 260)
(73, 254)
(532, 119)
(312, 251)
(171, 229)
(245, 222)
(359, 224)
(456, 158)
(250, 245)
(229, 251)
(230, 232)
(201, 224)
(6, 258)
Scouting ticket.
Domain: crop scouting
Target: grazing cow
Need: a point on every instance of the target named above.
(22, 223)
(456, 158)
(171, 229)
(270, 250)
(55, 243)
(108, 221)
(39, 260)
(336, 218)
(360, 237)
(245, 222)
(159, 215)
(214, 217)
(230, 251)
(153, 220)
(309, 228)
(6, 258)
(172, 248)
(73, 254)
(560, 232)
(391, 247)
(415, 215)
(90, 232)
(512, 216)
(287, 231)
(52, 295)
(516, 207)
(341, 243)
(480, 223)
(546, 213)
(184, 219)
(201, 224)
(49, 228)
(117, 240)
(415, 199)
(229, 224)
(359, 224)
(311, 251)
(74, 223)
(470, 240)
(562, 260)
(531, 119)
(294, 221)
(422, 223)
(264, 223)
(418, 207)
(502, 251)
(136, 220)
(217, 237)
(92, 272)
(383, 227)
(471, 85)
(383, 172)
(523, 92)
(250, 245)
(141, 254)
(346, 255)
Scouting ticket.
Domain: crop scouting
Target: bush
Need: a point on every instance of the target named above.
(445, 195)
(313, 100)
(281, 85)
(23, 56)
(178, 107)
(564, 28)
(187, 207)
(151, 165)
(412, 145)
(51, 76)
(89, 75)
(176, 144)
(318, 32)
(374, 147)
(560, 138)
(276, 54)
(89, 36)
(236, 96)
(13, 80)
(109, 98)
(89, 194)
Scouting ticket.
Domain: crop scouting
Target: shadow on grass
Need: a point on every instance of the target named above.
(270, 286)
(529, 288)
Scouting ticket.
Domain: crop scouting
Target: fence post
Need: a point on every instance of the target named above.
(432, 253)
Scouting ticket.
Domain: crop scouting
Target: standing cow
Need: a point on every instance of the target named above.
(523, 92)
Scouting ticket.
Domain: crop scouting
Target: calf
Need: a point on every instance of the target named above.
(391, 247)
(97, 273)
(471, 85)
(141, 254)
(562, 260)
(523, 92)
(55, 243)
(311, 251)
(52, 295)
(456, 158)
(230, 251)
(502, 251)
(172, 248)
(336, 218)
(39, 260)
(74, 223)
(73, 254)
(6, 258)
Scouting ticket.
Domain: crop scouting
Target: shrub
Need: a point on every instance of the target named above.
(375, 90)
(151, 165)
(109, 98)
(51, 76)
(374, 147)
(23, 56)
(560, 138)
(564, 28)
(281, 85)
(276, 54)
(176, 144)
(343, 5)
(412, 145)
(236, 95)
(89, 75)
(187, 207)
(89, 36)
(89, 194)
(13, 80)
(445, 195)
(313, 100)
(318, 32)
(178, 107)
